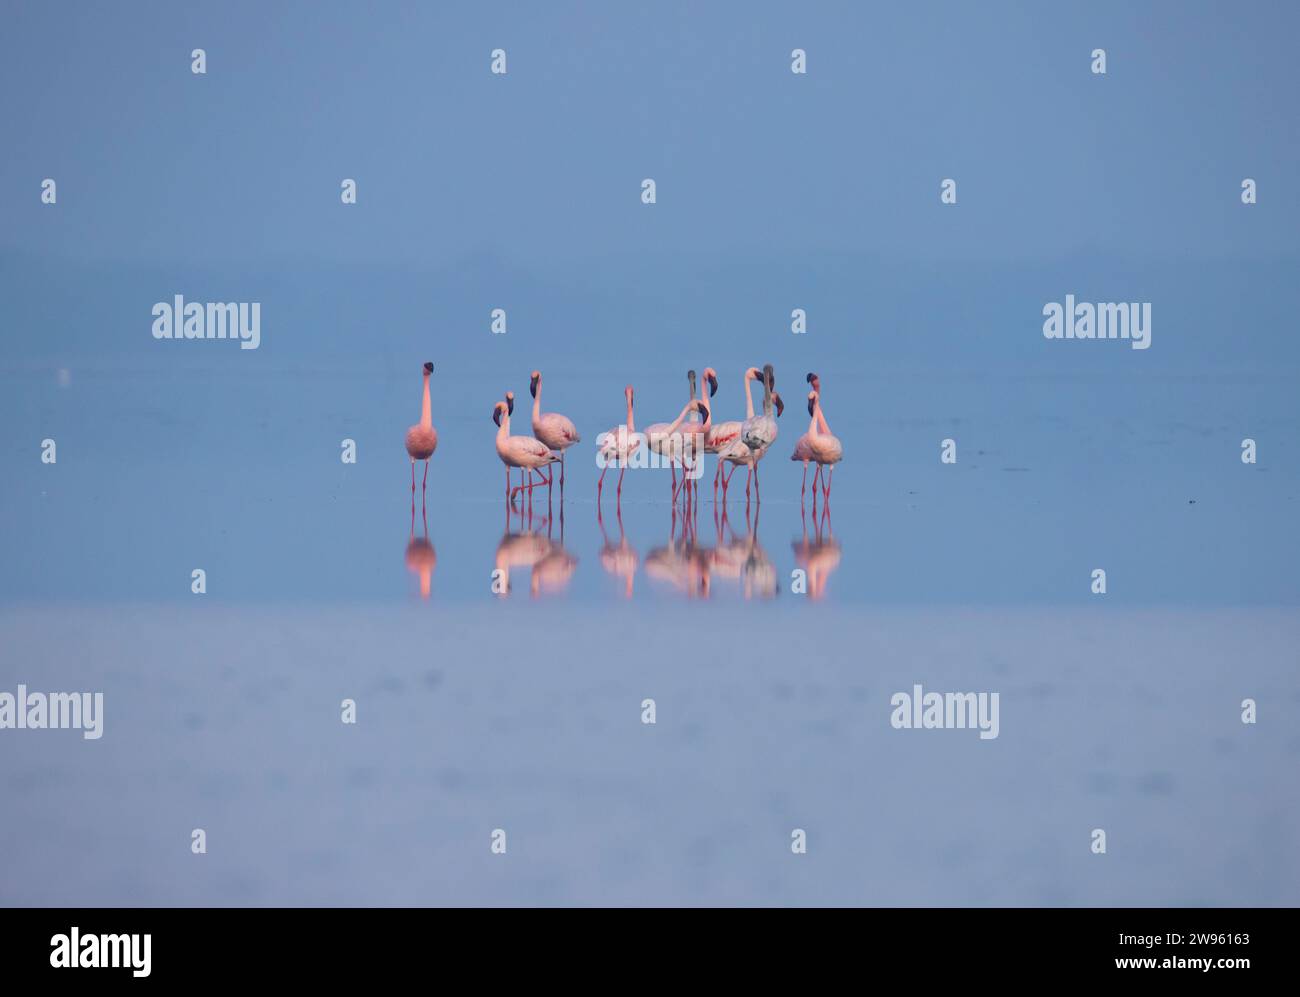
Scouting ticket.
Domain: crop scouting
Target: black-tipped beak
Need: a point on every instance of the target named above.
(811, 377)
(811, 406)
(780, 405)
(532, 387)
(713, 385)
(496, 414)
(510, 405)
(428, 368)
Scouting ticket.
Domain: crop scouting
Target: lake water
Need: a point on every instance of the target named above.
(522, 711)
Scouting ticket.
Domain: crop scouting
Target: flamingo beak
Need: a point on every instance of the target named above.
(510, 404)
(713, 385)
(780, 405)
(496, 413)
(811, 377)
(811, 404)
(532, 387)
(428, 367)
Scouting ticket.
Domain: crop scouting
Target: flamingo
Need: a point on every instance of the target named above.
(617, 444)
(523, 452)
(656, 432)
(826, 449)
(666, 439)
(721, 434)
(555, 430)
(756, 436)
(422, 438)
(803, 446)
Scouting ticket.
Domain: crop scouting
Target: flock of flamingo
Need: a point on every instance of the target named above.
(680, 443)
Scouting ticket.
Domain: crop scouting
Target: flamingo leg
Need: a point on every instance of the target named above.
(804, 490)
(620, 489)
(425, 485)
(601, 482)
(412, 482)
(757, 496)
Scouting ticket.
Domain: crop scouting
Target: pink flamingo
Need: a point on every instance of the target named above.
(616, 445)
(555, 430)
(826, 449)
(666, 439)
(422, 438)
(655, 434)
(522, 452)
(803, 446)
(723, 434)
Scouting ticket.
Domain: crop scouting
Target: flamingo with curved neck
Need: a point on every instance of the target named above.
(524, 452)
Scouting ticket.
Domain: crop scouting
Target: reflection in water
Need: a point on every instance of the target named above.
(742, 557)
(552, 566)
(820, 556)
(731, 552)
(619, 559)
(420, 555)
(682, 563)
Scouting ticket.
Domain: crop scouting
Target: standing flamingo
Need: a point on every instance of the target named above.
(666, 439)
(616, 445)
(656, 433)
(422, 438)
(758, 433)
(555, 430)
(523, 452)
(827, 450)
(722, 434)
(803, 450)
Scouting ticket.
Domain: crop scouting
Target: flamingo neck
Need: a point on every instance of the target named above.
(631, 428)
(537, 401)
(677, 424)
(504, 429)
(426, 412)
(749, 398)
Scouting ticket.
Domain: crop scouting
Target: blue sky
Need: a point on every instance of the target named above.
(544, 165)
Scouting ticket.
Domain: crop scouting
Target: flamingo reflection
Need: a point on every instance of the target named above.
(820, 556)
(421, 558)
(682, 563)
(550, 565)
(619, 559)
